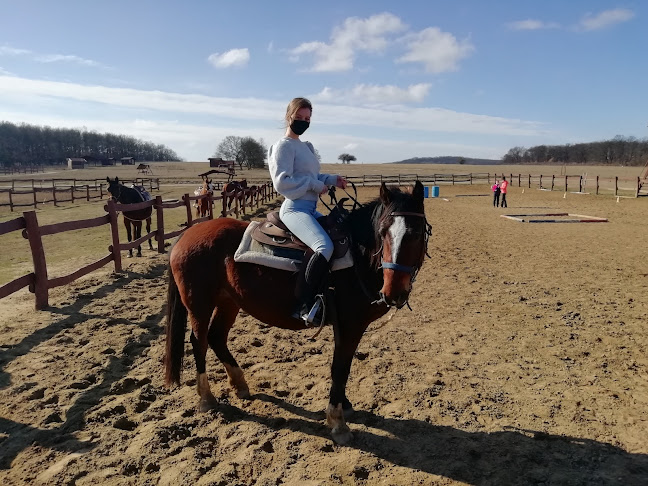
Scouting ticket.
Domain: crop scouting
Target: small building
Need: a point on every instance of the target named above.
(76, 163)
(107, 162)
(219, 162)
(127, 161)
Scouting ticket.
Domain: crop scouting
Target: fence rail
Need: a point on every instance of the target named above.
(38, 281)
(58, 191)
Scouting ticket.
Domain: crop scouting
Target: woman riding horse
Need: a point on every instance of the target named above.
(388, 243)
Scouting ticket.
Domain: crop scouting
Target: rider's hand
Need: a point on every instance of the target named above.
(341, 182)
(324, 191)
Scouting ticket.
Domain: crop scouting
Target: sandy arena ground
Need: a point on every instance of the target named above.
(523, 361)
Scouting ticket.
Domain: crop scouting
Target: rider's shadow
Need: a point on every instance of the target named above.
(479, 458)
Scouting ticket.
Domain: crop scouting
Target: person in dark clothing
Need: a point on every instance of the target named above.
(496, 194)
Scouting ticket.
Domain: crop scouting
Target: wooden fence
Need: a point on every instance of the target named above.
(38, 281)
(32, 192)
(575, 183)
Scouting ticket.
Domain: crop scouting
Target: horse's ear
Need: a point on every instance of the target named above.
(108, 179)
(418, 191)
(385, 194)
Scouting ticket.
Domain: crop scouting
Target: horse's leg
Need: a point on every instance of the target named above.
(221, 323)
(347, 338)
(200, 330)
(138, 234)
(127, 223)
(148, 230)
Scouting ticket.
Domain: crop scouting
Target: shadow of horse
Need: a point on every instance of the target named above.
(513, 456)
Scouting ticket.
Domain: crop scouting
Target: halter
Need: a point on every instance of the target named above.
(405, 268)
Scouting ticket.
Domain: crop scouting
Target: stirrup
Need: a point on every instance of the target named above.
(314, 317)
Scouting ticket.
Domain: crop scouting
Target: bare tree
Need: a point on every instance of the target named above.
(346, 158)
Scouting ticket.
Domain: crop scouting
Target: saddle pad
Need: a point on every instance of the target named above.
(250, 251)
(143, 193)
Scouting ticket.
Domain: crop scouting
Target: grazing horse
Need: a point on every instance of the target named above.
(129, 195)
(238, 187)
(202, 205)
(389, 242)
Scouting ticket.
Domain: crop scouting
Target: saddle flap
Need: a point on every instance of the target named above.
(269, 234)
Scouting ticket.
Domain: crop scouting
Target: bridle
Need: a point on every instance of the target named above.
(412, 271)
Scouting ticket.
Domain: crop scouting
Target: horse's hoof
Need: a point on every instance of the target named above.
(207, 404)
(244, 394)
(342, 435)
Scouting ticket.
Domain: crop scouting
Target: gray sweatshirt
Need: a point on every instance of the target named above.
(294, 170)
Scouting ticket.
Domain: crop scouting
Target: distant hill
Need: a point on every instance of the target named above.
(448, 159)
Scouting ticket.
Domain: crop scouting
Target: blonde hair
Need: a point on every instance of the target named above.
(294, 106)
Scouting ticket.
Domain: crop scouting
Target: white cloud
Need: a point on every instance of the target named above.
(531, 24)
(438, 51)
(354, 35)
(231, 58)
(605, 19)
(374, 94)
(12, 51)
(4, 72)
(350, 146)
(67, 58)
(402, 117)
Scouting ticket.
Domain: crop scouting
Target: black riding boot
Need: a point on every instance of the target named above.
(310, 282)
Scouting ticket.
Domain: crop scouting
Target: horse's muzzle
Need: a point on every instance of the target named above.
(397, 301)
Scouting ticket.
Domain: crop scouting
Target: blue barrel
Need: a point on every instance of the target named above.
(435, 191)
(426, 191)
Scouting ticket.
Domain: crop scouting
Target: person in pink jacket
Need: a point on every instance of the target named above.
(504, 188)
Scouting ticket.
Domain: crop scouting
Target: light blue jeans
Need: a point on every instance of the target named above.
(300, 218)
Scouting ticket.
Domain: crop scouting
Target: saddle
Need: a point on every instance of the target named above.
(272, 232)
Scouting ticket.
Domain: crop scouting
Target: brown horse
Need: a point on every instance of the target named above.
(389, 242)
(202, 205)
(128, 195)
(238, 188)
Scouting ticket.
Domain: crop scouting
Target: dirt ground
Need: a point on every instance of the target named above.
(524, 360)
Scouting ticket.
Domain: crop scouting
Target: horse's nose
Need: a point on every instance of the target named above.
(397, 301)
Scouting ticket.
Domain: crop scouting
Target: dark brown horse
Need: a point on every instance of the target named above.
(129, 195)
(237, 187)
(389, 242)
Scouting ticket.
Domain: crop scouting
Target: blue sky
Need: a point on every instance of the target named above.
(388, 80)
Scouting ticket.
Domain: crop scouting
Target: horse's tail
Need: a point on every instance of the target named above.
(176, 327)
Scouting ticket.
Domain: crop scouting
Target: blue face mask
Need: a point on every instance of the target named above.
(299, 126)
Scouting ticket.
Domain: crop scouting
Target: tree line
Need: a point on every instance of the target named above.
(618, 151)
(37, 145)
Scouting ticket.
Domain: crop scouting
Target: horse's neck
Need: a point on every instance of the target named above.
(129, 195)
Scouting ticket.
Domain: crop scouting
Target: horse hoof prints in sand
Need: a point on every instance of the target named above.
(207, 287)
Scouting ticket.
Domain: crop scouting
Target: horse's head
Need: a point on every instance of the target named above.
(114, 188)
(403, 232)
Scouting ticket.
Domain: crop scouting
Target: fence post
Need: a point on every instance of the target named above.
(33, 234)
(72, 192)
(540, 181)
(553, 179)
(565, 182)
(188, 207)
(580, 184)
(34, 194)
(638, 186)
(519, 180)
(597, 185)
(159, 211)
(87, 192)
(11, 205)
(114, 231)
(616, 186)
(529, 181)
